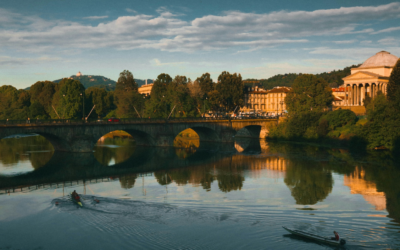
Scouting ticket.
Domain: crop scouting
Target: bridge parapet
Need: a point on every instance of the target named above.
(78, 136)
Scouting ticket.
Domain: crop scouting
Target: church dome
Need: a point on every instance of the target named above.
(380, 59)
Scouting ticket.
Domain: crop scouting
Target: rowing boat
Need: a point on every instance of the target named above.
(326, 240)
(77, 201)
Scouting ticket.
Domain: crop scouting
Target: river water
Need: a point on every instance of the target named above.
(229, 196)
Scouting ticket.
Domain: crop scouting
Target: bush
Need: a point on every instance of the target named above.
(340, 118)
(298, 124)
(323, 128)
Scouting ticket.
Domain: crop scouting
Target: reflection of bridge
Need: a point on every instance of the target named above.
(64, 184)
(81, 137)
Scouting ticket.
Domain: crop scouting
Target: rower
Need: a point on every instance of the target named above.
(75, 195)
(337, 238)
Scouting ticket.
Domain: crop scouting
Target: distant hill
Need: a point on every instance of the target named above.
(334, 78)
(91, 81)
(101, 81)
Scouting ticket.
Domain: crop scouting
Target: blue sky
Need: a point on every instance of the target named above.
(51, 39)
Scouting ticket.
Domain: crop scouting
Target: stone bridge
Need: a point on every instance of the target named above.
(81, 137)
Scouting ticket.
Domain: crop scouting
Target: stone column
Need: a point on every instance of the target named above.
(363, 93)
(352, 95)
(355, 94)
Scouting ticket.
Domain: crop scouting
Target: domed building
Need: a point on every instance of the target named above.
(372, 76)
(79, 74)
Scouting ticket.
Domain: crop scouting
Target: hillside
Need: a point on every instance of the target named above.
(334, 78)
(91, 81)
(100, 81)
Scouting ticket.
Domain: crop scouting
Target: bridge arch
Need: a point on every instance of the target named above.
(206, 135)
(141, 138)
(251, 131)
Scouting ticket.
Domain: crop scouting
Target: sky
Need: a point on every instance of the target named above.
(51, 39)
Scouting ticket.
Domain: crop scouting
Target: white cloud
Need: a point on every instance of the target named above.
(310, 66)
(95, 17)
(8, 60)
(356, 53)
(131, 10)
(366, 42)
(157, 62)
(167, 32)
(389, 41)
(345, 41)
(387, 30)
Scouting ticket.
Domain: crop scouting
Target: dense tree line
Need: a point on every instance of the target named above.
(175, 97)
(333, 78)
(310, 119)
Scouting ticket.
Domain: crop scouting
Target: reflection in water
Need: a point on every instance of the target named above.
(24, 153)
(358, 185)
(306, 170)
(113, 150)
(308, 182)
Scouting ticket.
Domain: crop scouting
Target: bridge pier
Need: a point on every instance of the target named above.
(81, 137)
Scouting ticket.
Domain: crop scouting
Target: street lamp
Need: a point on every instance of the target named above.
(83, 104)
(281, 102)
(204, 107)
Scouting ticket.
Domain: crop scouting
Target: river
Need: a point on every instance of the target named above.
(229, 196)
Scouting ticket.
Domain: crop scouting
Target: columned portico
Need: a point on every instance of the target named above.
(368, 79)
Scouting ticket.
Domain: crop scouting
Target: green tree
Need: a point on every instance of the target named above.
(43, 92)
(206, 83)
(158, 105)
(393, 87)
(68, 99)
(340, 118)
(214, 100)
(102, 99)
(37, 111)
(308, 93)
(14, 104)
(178, 96)
(130, 104)
(230, 87)
(126, 83)
(383, 126)
(367, 100)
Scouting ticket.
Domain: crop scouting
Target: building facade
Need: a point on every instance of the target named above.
(271, 102)
(146, 88)
(372, 76)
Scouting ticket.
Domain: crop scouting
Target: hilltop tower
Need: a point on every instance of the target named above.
(79, 74)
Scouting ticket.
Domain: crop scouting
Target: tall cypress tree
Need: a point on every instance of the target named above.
(393, 88)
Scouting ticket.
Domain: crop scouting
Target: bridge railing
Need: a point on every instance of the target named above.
(124, 120)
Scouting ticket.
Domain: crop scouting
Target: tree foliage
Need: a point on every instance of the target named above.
(158, 106)
(102, 99)
(393, 87)
(68, 100)
(206, 83)
(230, 88)
(308, 93)
(340, 118)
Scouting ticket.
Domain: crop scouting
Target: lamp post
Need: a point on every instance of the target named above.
(83, 104)
(204, 107)
(281, 102)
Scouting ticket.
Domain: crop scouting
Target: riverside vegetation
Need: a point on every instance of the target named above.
(308, 105)
(309, 121)
(68, 99)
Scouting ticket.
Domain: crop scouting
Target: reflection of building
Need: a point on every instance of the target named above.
(269, 101)
(276, 164)
(358, 185)
(146, 89)
(372, 76)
